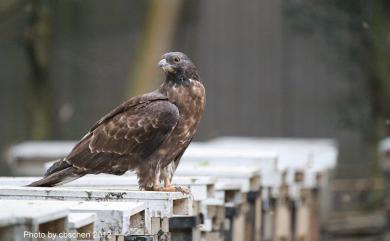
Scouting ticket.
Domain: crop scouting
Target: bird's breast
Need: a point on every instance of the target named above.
(190, 101)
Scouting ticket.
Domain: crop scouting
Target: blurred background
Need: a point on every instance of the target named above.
(280, 68)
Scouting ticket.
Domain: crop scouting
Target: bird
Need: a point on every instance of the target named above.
(147, 134)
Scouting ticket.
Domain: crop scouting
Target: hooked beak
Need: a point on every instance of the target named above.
(166, 66)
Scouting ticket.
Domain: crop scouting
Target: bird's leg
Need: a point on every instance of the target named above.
(156, 182)
(168, 187)
(165, 174)
(156, 185)
(167, 182)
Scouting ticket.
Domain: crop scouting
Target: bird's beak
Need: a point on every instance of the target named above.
(166, 66)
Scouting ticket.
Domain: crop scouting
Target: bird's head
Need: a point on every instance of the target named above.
(178, 67)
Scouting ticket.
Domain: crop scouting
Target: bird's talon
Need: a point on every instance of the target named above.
(183, 190)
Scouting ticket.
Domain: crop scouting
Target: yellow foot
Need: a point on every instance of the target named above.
(183, 190)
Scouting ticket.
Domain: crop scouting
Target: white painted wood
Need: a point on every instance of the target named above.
(196, 183)
(112, 217)
(309, 156)
(100, 180)
(78, 220)
(14, 212)
(226, 175)
(47, 149)
(301, 154)
(28, 158)
(311, 153)
(50, 150)
(200, 187)
(198, 150)
(234, 181)
(203, 155)
(158, 204)
(223, 158)
(25, 221)
(269, 225)
(211, 209)
(303, 223)
(212, 236)
(218, 160)
(55, 149)
(282, 226)
(239, 231)
(258, 214)
(305, 154)
(81, 226)
(283, 221)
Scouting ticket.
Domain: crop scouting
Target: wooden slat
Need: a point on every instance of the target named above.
(158, 204)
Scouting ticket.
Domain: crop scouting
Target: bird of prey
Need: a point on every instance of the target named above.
(147, 133)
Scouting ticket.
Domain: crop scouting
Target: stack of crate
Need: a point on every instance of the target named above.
(241, 189)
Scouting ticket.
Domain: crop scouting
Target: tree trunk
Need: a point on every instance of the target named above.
(37, 49)
(161, 23)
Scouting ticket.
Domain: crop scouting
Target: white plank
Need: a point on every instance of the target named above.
(318, 154)
(55, 149)
(112, 217)
(198, 150)
(226, 175)
(13, 212)
(50, 150)
(158, 204)
(78, 220)
(25, 221)
(309, 156)
(200, 187)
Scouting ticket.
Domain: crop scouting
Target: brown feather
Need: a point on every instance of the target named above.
(148, 133)
(114, 140)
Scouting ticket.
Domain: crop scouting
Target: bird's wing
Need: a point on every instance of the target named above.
(133, 132)
(132, 102)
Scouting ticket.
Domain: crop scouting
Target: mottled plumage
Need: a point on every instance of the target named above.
(148, 133)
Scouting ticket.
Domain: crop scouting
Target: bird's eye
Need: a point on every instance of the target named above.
(176, 59)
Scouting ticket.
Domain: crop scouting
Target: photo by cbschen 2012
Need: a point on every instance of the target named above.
(106, 133)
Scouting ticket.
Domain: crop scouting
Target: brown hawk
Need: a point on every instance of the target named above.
(147, 134)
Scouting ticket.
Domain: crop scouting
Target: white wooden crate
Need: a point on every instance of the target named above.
(115, 218)
(292, 152)
(25, 221)
(28, 158)
(158, 204)
(200, 187)
(247, 178)
(307, 156)
(81, 223)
